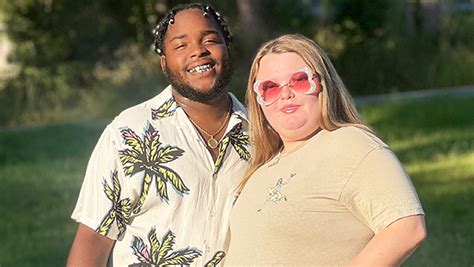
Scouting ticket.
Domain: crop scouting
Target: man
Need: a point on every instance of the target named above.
(160, 183)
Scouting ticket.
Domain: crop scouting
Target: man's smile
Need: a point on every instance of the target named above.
(205, 67)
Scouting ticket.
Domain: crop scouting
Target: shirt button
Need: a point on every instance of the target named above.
(208, 249)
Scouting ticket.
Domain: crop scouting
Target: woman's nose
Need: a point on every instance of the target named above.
(286, 92)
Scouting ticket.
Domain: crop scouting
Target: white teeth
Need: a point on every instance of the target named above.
(201, 69)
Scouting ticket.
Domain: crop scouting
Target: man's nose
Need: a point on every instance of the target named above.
(199, 50)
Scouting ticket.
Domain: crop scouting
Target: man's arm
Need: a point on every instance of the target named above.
(89, 248)
(393, 244)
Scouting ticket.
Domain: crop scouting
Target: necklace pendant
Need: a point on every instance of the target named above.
(212, 143)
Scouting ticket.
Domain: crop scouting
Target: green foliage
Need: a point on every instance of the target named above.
(130, 81)
(41, 93)
(385, 55)
(56, 49)
(64, 47)
(60, 45)
(363, 17)
(297, 15)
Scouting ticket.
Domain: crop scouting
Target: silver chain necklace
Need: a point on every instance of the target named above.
(212, 142)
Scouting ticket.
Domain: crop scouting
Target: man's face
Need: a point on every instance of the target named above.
(196, 60)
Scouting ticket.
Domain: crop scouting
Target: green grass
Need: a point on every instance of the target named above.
(435, 141)
(41, 170)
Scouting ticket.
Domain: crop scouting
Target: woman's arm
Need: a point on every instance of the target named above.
(393, 244)
(89, 248)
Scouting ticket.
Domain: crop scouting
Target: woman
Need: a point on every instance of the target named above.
(322, 189)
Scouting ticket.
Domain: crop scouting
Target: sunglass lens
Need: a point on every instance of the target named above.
(269, 91)
(299, 82)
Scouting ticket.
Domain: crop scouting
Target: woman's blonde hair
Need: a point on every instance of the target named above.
(337, 106)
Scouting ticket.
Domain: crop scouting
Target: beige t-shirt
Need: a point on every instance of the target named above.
(321, 204)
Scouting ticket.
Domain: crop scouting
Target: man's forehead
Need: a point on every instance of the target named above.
(179, 35)
(192, 19)
(186, 25)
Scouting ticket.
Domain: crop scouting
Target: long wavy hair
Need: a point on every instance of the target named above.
(337, 107)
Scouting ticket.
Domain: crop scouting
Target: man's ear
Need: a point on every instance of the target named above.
(163, 63)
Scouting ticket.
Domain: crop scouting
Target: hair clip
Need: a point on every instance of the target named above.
(171, 21)
(156, 30)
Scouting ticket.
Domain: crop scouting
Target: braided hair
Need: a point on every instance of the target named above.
(159, 32)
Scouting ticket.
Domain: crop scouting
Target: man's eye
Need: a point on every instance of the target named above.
(179, 46)
(211, 41)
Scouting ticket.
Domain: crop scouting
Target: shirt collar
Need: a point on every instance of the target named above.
(165, 106)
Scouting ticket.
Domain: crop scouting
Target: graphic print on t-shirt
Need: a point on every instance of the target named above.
(275, 193)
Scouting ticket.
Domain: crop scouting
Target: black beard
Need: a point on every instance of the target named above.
(193, 94)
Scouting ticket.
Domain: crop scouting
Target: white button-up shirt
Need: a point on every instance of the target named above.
(152, 185)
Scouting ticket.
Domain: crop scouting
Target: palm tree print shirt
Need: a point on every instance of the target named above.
(152, 185)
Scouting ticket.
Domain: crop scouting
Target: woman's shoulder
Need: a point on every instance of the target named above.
(352, 136)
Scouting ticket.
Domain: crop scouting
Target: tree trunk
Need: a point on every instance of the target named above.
(250, 26)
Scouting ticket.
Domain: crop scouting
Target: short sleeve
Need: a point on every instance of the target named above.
(101, 202)
(379, 191)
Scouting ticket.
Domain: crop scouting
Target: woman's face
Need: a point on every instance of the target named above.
(292, 113)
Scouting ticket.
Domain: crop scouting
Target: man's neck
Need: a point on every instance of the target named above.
(204, 112)
(209, 118)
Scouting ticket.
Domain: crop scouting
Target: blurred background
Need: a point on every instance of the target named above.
(68, 67)
(67, 59)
